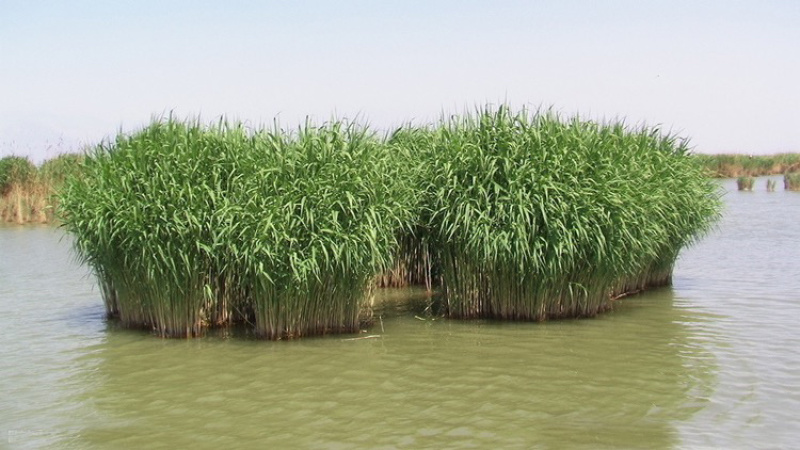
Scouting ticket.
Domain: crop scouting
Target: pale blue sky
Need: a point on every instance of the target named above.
(726, 74)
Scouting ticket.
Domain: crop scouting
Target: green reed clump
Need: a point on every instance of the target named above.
(17, 181)
(15, 170)
(771, 185)
(142, 216)
(188, 226)
(745, 183)
(791, 181)
(534, 217)
(27, 193)
(55, 171)
(516, 215)
(327, 204)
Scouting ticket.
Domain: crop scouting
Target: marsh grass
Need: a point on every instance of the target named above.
(745, 183)
(28, 193)
(17, 186)
(533, 217)
(510, 215)
(189, 227)
(771, 185)
(791, 181)
(741, 165)
(414, 265)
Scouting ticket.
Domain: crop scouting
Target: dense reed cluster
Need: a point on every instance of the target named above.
(511, 215)
(745, 183)
(189, 226)
(531, 217)
(791, 181)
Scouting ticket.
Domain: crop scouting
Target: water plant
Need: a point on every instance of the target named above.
(17, 170)
(333, 200)
(17, 180)
(55, 171)
(188, 226)
(745, 183)
(533, 217)
(27, 193)
(791, 181)
(771, 185)
(414, 263)
(513, 215)
(737, 165)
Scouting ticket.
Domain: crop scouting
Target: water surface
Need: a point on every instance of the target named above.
(713, 361)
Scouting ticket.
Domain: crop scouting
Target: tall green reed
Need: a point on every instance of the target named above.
(188, 226)
(515, 215)
(332, 201)
(533, 217)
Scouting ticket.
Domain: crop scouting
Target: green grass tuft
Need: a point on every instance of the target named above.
(745, 183)
(791, 181)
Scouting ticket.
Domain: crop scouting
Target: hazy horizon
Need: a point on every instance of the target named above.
(721, 73)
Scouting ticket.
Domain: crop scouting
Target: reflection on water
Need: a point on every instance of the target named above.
(710, 362)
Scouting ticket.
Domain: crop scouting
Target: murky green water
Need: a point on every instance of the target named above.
(712, 362)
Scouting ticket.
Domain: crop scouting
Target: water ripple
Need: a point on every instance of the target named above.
(713, 362)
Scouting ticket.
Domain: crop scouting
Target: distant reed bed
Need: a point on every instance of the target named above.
(28, 193)
(513, 215)
(741, 165)
(745, 183)
(791, 181)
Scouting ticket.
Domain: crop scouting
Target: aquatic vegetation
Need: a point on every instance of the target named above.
(189, 226)
(16, 178)
(791, 181)
(771, 185)
(333, 200)
(531, 216)
(27, 193)
(15, 170)
(738, 165)
(745, 183)
(511, 215)
(414, 264)
(55, 171)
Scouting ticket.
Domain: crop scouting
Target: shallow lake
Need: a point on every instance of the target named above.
(713, 361)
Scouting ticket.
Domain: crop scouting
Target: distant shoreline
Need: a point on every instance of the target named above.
(730, 165)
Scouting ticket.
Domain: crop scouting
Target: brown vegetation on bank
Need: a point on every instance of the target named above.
(741, 165)
(791, 181)
(28, 193)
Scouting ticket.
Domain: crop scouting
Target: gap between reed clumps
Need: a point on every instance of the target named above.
(509, 215)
